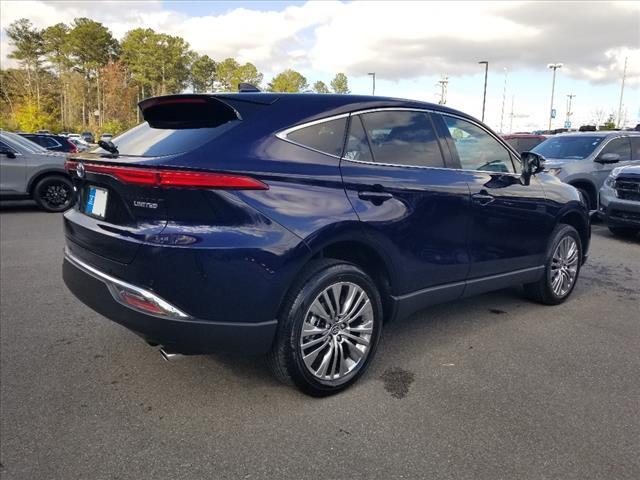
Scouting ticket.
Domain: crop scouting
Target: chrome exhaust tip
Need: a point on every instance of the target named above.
(169, 356)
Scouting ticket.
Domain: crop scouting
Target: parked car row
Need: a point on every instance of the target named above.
(55, 143)
(28, 170)
(584, 160)
(86, 137)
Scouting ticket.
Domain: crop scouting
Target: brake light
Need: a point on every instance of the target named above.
(154, 177)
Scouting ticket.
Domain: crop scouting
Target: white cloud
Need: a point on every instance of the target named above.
(406, 40)
(399, 40)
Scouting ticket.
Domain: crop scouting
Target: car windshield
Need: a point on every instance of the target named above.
(28, 145)
(569, 148)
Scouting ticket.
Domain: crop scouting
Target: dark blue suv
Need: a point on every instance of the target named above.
(297, 225)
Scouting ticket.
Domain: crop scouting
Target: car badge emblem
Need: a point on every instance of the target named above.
(80, 170)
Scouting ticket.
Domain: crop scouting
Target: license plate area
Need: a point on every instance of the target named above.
(96, 201)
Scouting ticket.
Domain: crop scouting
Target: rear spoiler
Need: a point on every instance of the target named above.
(187, 111)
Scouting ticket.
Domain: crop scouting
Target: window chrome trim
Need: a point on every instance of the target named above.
(282, 134)
(402, 165)
(428, 110)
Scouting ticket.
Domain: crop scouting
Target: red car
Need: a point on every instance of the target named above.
(524, 142)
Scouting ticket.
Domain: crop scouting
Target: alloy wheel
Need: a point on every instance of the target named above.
(337, 330)
(564, 266)
(56, 195)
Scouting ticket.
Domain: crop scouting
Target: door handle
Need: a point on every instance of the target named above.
(377, 198)
(482, 198)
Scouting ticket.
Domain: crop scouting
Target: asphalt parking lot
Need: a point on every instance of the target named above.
(492, 387)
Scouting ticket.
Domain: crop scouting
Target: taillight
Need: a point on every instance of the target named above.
(154, 177)
(74, 149)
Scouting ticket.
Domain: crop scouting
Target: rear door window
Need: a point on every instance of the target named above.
(403, 138)
(325, 137)
(357, 147)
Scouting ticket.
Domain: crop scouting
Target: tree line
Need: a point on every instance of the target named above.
(78, 76)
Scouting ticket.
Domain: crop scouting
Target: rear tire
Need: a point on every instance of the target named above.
(328, 330)
(562, 268)
(627, 232)
(54, 193)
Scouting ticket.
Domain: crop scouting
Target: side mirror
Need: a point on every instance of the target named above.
(608, 158)
(7, 152)
(532, 163)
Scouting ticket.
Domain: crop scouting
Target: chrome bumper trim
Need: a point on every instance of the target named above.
(114, 283)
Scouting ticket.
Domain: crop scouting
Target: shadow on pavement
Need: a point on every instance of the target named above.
(18, 206)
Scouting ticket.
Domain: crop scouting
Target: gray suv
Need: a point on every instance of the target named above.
(29, 171)
(620, 201)
(585, 159)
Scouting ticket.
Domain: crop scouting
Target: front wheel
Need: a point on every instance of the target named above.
(54, 193)
(329, 328)
(563, 261)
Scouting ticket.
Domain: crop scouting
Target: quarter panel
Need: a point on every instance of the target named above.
(305, 194)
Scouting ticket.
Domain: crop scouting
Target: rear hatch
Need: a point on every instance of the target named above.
(128, 188)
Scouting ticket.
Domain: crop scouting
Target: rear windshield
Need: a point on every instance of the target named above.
(570, 148)
(145, 141)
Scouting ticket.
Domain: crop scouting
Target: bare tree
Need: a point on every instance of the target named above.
(597, 116)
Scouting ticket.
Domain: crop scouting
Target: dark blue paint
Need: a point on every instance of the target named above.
(245, 248)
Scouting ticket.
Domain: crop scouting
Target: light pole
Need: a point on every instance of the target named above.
(443, 82)
(373, 76)
(554, 67)
(624, 76)
(504, 96)
(569, 112)
(484, 95)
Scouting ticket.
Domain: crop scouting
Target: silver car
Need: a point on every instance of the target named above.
(585, 159)
(620, 201)
(29, 171)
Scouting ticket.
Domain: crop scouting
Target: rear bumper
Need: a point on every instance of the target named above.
(184, 334)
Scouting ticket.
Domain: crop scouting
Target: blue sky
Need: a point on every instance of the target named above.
(202, 8)
(409, 45)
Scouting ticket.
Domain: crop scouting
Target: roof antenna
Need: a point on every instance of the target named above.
(247, 87)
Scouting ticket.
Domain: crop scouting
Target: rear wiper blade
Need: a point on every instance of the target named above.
(108, 146)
